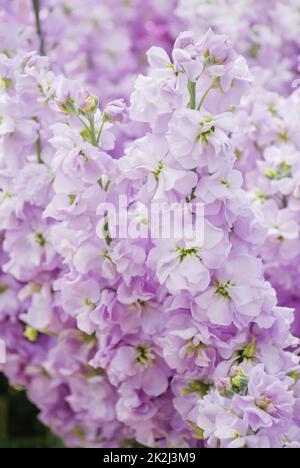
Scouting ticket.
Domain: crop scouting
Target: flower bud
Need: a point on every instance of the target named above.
(89, 104)
(223, 386)
(116, 111)
(239, 381)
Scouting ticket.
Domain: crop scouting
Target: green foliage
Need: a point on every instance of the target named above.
(19, 425)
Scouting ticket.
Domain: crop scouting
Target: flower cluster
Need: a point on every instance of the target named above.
(172, 319)
(18, 29)
(82, 39)
(267, 148)
(128, 338)
(267, 36)
(46, 353)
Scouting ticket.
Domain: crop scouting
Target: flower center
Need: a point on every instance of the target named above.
(283, 136)
(40, 239)
(264, 404)
(247, 353)
(184, 253)
(284, 171)
(144, 356)
(223, 289)
(68, 106)
(31, 334)
(6, 83)
(160, 168)
(72, 199)
(89, 303)
(192, 348)
(210, 60)
(206, 129)
(239, 382)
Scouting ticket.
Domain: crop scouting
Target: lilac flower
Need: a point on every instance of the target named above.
(257, 33)
(185, 266)
(81, 303)
(237, 295)
(166, 342)
(142, 366)
(163, 175)
(185, 346)
(268, 402)
(196, 137)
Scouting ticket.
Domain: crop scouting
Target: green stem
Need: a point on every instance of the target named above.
(192, 91)
(90, 129)
(101, 130)
(212, 86)
(93, 131)
(39, 150)
(38, 144)
(85, 125)
(36, 7)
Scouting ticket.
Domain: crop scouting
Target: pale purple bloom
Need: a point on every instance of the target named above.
(163, 342)
(184, 266)
(194, 137)
(267, 402)
(237, 295)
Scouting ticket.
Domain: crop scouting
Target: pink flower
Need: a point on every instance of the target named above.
(143, 368)
(149, 158)
(268, 401)
(184, 266)
(237, 295)
(195, 137)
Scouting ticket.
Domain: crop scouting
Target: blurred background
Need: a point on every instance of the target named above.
(19, 425)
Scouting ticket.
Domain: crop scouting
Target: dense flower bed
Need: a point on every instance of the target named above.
(136, 339)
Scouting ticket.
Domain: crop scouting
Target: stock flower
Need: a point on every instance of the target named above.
(79, 298)
(185, 346)
(39, 315)
(243, 410)
(162, 342)
(220, 186)
(184, 266)
(272, 182)
(268, 402)
(142, 366)
(94, 256)
(141, 302)
(257, 33)
(237, 295)
(154, 98)
(30, 250)
(9, 304)
(117, 111)
(196, 137)
(163, 175)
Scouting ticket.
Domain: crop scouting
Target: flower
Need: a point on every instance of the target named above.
(196, 137)
(184, 266)
(237, 295)
(268, 402)
(156, 340)
(164, 176)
